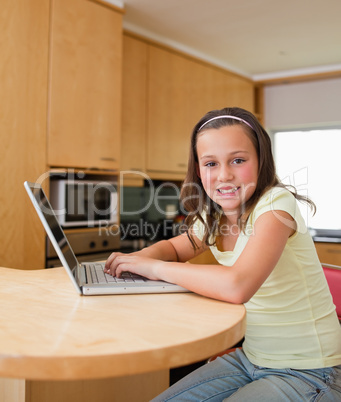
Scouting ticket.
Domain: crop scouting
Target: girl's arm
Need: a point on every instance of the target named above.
(236, 284)
(177, 249)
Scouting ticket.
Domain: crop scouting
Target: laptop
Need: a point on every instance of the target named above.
(89, 278)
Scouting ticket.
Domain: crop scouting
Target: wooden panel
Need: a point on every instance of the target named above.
(181, 90)
(142, 388)
(23, 83)
(329, 253)
(171, 115)
(134, 95)
(13, 390)
(85, 85)
(205, 258)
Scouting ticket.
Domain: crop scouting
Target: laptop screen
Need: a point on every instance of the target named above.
(53, 224)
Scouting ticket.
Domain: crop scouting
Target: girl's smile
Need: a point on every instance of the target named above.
(228, 190)
(228, 167)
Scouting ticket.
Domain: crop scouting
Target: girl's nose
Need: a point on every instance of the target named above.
(225, 174)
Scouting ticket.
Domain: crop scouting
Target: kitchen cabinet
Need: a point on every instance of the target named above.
(329, 253)
(85, 85)
(23, 82)
(134, 110)
(165, 93)
(205, 258)
(171, 113)
(180, 91)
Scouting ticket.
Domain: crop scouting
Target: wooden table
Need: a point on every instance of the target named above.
(58, 346)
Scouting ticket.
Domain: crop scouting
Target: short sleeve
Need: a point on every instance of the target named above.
(279, 199)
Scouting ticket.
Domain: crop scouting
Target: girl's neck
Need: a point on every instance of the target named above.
(229, 231)
(230, 218)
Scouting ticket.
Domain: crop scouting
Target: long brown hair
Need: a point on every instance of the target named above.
(193, 196)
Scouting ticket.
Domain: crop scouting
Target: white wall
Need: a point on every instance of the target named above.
(305, 104)
(312, 104)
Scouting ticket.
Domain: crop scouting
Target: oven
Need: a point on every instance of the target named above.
(87, 244)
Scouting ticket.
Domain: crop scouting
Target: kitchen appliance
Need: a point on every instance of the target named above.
(84, 202)
(87, 244)
(86, 206)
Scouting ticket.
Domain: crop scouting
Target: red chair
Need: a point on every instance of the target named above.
(333, 276)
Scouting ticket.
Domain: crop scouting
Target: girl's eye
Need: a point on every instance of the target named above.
(210, 164)
(238, 161)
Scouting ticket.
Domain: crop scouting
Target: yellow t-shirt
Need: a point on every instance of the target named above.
(291, 319)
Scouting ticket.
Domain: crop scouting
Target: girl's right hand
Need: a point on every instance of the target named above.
(111, 259)
(134, 263)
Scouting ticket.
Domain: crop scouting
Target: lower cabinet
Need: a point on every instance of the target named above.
(329, 253)
(205, 258)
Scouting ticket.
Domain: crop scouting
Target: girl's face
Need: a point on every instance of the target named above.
(228, 167)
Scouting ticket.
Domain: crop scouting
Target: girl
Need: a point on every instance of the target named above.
(238, 208)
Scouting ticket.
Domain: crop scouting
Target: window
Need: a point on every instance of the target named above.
(310, 160)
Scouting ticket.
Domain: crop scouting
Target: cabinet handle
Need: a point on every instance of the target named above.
(333, 251)
(182, 164)
(108, 159)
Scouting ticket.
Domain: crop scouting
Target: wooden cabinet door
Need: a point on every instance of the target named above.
(170, 114)
(205, 258)
(134, 107)
(23, 82)
(85, 85)
(181, 90)
(226, 89)
(329, 253)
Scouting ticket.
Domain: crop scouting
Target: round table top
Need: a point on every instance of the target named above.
(49, 332)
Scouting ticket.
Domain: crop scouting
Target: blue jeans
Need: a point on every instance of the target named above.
(234, 378)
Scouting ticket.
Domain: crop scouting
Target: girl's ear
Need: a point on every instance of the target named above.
(197, 169)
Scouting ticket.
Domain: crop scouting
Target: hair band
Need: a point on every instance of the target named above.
(226, 117)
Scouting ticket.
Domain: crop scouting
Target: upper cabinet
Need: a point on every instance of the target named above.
(134, 105)
(172, 110)
(180, 91)
(85, 85)
(164, 94)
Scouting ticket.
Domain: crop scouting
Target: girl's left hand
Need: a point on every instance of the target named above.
(143, 266)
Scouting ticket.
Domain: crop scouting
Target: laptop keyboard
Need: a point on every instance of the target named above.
(99, 276)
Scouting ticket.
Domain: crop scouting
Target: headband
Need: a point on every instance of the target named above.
(226, 117)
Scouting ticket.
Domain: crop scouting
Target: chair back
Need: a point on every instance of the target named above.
(333, 276)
